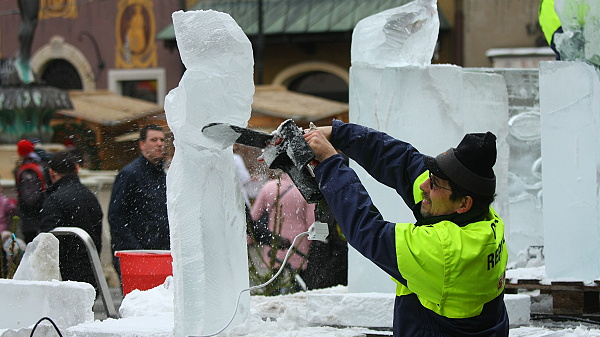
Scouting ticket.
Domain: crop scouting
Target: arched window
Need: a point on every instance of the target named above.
(321, 84)
(61, 74)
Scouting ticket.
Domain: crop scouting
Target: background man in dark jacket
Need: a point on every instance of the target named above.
(70, 204)
(138, 207)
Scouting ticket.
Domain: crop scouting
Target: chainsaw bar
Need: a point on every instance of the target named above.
(246, 136)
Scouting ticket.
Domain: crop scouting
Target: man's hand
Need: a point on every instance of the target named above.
(318, 140)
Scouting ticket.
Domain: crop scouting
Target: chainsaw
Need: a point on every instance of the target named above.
(284, 148)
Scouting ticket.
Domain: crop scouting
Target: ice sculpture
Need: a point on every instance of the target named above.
(400, 36)
(205, 202)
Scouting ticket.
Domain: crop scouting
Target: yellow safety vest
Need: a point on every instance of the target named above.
(453, 270)
(549, 21)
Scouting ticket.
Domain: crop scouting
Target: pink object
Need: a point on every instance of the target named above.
(297, 215)
(8, 208)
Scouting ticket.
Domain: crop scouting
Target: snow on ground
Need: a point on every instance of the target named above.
(533, 273)
(150, 313)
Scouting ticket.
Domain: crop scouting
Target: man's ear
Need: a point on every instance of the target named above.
(465, 205)
(53, 175)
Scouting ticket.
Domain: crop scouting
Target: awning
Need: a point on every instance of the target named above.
(298, 16)
(279, 102)
(107, 108)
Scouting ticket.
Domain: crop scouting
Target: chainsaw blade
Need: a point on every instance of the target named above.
(246, 136)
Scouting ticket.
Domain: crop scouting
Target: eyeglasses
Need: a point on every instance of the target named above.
(433, 185)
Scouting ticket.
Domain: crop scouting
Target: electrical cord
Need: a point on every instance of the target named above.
(49, 320)
(237, 303)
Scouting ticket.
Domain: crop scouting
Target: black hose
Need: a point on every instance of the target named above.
(49, 320)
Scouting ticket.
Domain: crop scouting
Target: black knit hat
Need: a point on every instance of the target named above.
(469, 165)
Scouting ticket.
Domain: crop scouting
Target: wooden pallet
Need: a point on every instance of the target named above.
(568, 298)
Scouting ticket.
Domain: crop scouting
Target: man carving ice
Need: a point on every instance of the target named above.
(449, 265)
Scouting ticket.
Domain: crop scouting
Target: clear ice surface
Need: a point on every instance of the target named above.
(523, 222)
(571, 161)
(40, 261)
(400, 36)
(442, 102)
(204, 200)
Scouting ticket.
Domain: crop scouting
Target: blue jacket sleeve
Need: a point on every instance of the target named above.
(361, 222)
(390, 161)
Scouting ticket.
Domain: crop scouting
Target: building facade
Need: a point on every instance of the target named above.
(127, 47)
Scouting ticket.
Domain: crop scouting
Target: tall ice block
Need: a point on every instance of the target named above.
(204, 199)
(570, 112)
(431, 107)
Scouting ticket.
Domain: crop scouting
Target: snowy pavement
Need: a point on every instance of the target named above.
(151, 313)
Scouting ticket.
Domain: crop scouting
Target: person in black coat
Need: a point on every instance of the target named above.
(71, 204)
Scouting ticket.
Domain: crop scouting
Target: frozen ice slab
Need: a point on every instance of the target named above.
(432, 107)
(569, 103)
(524, 228)
(518, 307)
(40, 261)
(204, 201)
(67, 303)
(400, 36)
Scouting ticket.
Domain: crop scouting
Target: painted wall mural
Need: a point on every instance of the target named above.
(135, 29)
(66, 9)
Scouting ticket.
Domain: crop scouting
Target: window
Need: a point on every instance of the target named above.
(321, 84)
(148, 84)
(145, 89)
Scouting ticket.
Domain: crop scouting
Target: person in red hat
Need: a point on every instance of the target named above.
(25, 147)
(31, 181)
(449, 263)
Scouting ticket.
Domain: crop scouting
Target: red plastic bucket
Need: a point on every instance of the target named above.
(144, 269)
